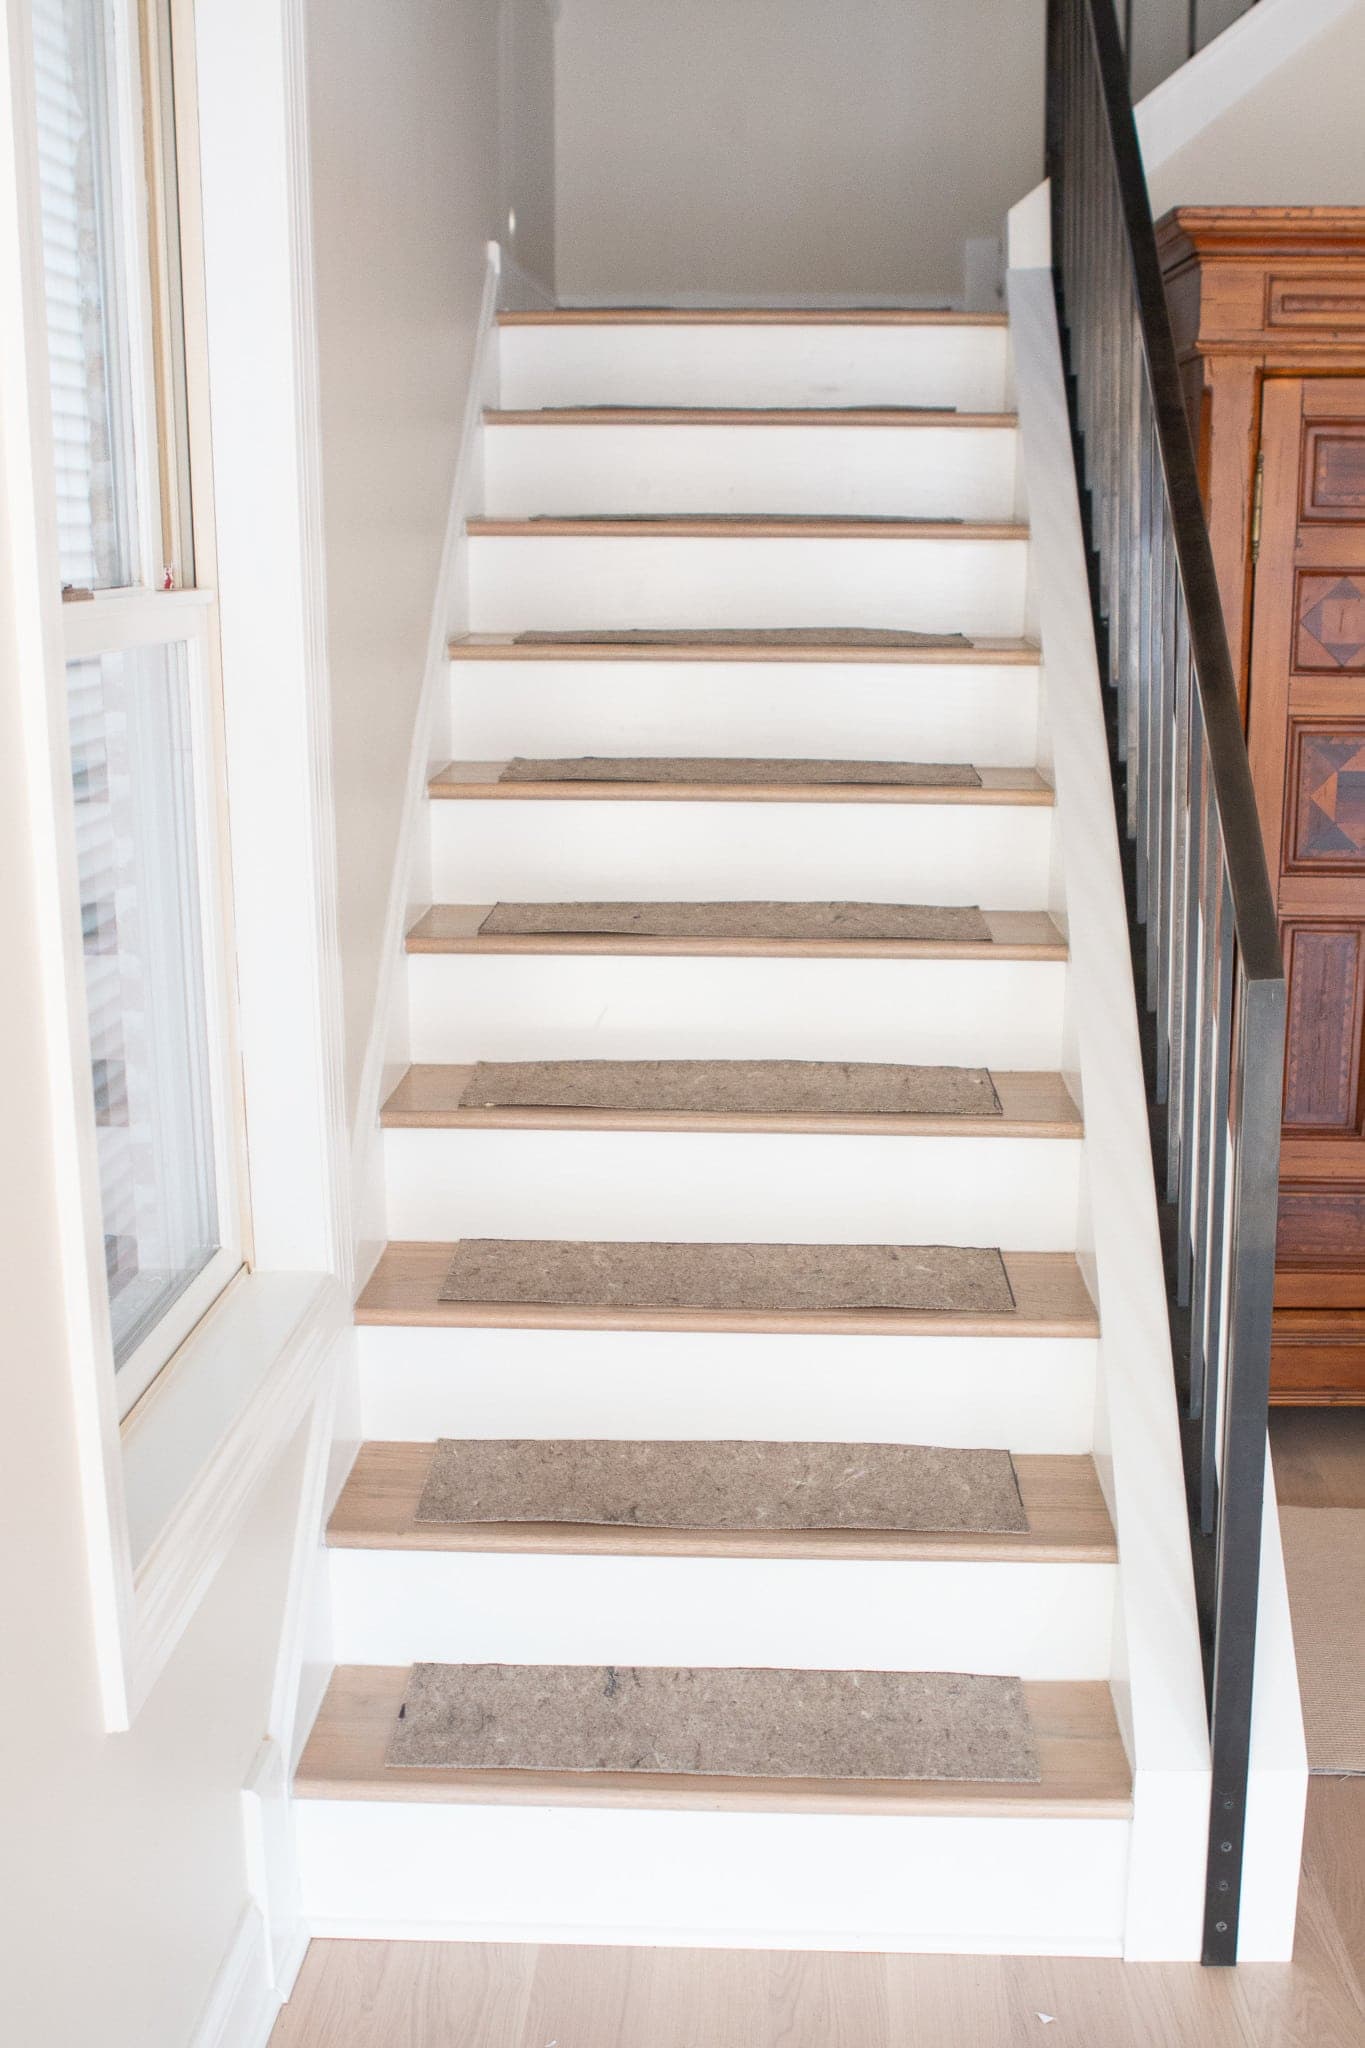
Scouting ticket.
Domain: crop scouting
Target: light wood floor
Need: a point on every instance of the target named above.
(449, 1995)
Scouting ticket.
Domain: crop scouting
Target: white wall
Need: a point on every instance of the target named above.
(1297, 138)
(1161, 35)
(121, 1858)
(759, 149)
(414, 169)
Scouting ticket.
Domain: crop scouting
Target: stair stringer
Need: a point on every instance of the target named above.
(410, 893)
(1157, 1669)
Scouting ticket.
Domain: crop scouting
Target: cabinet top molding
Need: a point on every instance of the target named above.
(1243, 233)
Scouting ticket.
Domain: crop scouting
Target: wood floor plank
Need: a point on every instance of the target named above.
(1014, 935)
(410, 1994)
(1083, 1765)
(1068, 1523)
(1033, 1105)
(1318, 1455)
(982, 652)
(1050, 1296)
(473, 781)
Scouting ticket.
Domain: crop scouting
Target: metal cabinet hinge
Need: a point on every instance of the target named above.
(1258, 495)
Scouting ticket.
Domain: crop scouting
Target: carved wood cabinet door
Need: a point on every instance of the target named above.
(1306, 733)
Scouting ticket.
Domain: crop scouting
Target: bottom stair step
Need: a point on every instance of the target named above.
(1081, 1768)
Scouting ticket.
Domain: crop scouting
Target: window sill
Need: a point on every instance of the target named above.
(202, 1441)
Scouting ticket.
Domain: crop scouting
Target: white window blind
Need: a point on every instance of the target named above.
(91, 392)
(133, 775)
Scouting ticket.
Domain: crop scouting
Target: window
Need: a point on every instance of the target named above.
(141, 688)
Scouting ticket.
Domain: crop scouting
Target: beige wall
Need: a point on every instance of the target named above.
(1296, 139)
(779, 148)
(413, 173)
(527, 101)
(121, 1857)
(122, 1877)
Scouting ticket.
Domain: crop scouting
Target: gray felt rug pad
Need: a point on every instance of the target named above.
(609, 768)
(574, 1273)
(744, 518)
(778, 411)
(716, 1723)
(759, 1087)
(744, 636)
(725, 1485)
(752, 920)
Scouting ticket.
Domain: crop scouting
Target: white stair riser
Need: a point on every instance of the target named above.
(1024, 1394)
(839, 711)
(1051, 1621)
(1001, 1013)
(916, 472)
(762, 364)
(432, 1871)
(487, 849)
(1015, 1192)
(526, 582)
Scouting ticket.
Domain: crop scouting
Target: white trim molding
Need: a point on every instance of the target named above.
(386, 1053)
(1158, 1678)
(242, 2005)
(263, 387)
(198, 1449)
(1158, 1682)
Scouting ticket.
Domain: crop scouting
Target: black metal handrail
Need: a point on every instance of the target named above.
(1206, 946)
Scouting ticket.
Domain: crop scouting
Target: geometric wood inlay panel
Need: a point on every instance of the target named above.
(1329, 787)
(1334, 473)
(1322, 1223)
(1322, 1051)
(1330, 611)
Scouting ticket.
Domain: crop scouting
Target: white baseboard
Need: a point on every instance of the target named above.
(568, 1934)
(243, 2003)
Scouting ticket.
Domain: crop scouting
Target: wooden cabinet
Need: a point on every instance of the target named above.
(1268, 308)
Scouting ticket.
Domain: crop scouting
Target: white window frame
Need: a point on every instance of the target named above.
(143, 614)
(124, 622)
(166, 1489)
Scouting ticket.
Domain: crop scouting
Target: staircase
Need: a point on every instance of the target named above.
(754, 944)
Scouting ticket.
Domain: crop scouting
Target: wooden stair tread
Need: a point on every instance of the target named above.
(1032, 1106)
(1084, 1770)
(473, 780)
(743, 416)
(1068, 1523)
(743, 526)
(983, 652)
(1051, 1300)
(1014, 935)
(749, 316)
